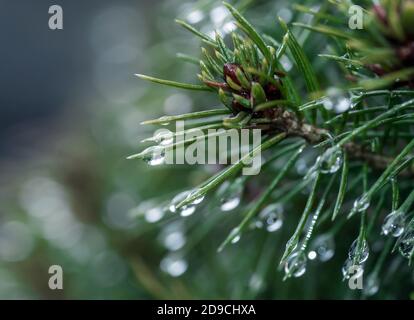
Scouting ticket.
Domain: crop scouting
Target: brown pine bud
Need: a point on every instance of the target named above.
(229, 70)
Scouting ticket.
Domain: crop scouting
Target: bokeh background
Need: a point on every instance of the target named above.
(70, 113)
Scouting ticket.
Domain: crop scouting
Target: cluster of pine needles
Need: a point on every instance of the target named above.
(361, 132)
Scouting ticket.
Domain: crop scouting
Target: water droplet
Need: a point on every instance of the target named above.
(174, 265)
(286, 14)
(331, 160)
(337, 101)
(236, 239)
(154, 155)
(164, 138)
(291, 244)
(311, 174)
(406, 246)
(350, 269)
(296, 264)
(174, 240)
(235, 235)
(153, 215)
(324, 247)
(231, 195)
(164, 121)
(272, 217)
(188, 209)
(229, 27)
(394, 224)
(197, 200)
(195, 16)
(345, 268)
(327, 163)
(230, 203)
(349, 65)
(359, 252)
(361, 204)
(177, 199)
(218, 15)
(312, 255)
(372, 285)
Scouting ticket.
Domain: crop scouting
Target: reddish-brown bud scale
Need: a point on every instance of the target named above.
(380, 13)
(376, 68)
(406, 53)
(229, 70)
(272, 92)
(237, 107)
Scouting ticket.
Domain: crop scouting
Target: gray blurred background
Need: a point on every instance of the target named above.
(45, 73)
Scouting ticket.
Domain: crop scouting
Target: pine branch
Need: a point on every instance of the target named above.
(361, 128)
(286, 121)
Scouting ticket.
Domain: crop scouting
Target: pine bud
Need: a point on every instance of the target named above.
(241, 77)
(225, 99)
(243, 101)
(257, 93)
(229, 70)
(233, 84)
